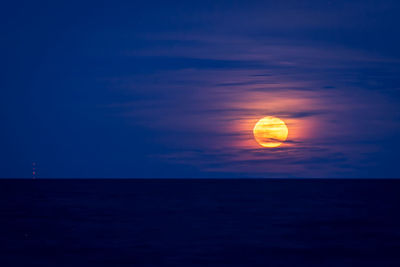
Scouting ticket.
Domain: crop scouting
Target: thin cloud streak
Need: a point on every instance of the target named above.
(228, 82)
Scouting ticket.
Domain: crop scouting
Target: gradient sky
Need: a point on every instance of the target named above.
(174, 88)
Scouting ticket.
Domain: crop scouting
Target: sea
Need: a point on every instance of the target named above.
(200, 222)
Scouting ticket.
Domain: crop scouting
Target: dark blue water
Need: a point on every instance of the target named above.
(200, 223)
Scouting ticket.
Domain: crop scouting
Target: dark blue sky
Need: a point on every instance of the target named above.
(173, 88)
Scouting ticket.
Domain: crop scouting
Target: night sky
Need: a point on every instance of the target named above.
(172, 89)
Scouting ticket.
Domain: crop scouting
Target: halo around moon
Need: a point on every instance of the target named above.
(270, 132)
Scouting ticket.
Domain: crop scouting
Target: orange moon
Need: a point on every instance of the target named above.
(270, 132)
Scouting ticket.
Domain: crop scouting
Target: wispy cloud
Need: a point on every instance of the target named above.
(209, 90)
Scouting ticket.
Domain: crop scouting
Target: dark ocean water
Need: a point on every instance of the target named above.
(200, 223)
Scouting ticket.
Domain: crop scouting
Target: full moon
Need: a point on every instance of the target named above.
(270, 132)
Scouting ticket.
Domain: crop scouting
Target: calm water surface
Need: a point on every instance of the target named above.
(200, 223)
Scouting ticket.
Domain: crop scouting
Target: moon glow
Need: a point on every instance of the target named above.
(270, 132)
